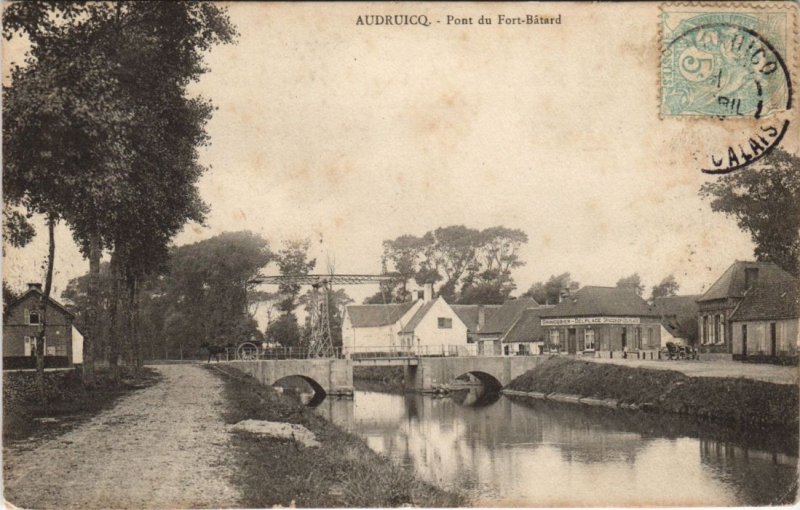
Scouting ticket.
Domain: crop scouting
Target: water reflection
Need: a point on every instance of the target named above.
(540, 453)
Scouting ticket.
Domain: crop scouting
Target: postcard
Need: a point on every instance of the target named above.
(540, 254)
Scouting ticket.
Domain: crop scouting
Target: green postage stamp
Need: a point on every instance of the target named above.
(725, 64)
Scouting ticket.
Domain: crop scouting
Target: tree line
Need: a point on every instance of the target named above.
(468, 265)
(100, 134)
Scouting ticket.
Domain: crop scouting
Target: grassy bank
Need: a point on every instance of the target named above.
(68, 400)
(343, 472)
(732, 399)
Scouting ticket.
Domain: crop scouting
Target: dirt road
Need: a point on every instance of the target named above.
(162, 447)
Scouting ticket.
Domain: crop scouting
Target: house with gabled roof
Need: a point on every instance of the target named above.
(436, 329)
(716, 306)
(475, 317)
(765, 324)
(63, 343)
(603, 322)
(422, 326)
(526, 335)
(499, 323)
(375, 328)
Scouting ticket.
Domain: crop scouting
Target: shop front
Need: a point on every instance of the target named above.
(639, 337)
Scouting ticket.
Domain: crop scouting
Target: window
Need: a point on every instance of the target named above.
(554, 340)
(445, 323)
(29, 345)
(716, 328)
(650, 338)
(637, 338)
(705, 329)
(589, 339)
(33, 317)
(722, 328)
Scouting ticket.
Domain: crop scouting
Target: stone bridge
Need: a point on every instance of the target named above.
(335, 376)
(431, 373)
(329, 376)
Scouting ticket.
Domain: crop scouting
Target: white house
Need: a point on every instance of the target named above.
(436, 329)
(375, 328)
(415, 326)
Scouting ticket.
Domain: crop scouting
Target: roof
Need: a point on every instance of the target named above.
(732, 281)
(765, 301)
(504, 317)
(417, 317)
(679, 306)
(28, 292)
(602, 301)
(373, 316)
(528, 328)
(469, 314)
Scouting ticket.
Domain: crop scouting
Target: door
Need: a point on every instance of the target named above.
(744, 340)
(571, 341)
(773, 339)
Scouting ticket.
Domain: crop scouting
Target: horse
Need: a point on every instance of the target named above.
(214, 350)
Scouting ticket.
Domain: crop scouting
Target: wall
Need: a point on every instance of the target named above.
(758, 337)
(428, 333)
(722, 307)
(608, 337)
(431, 373)
(356, 339)
(58, 331)
(334, 376)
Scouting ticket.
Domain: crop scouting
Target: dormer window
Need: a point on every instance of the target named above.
(750, 276)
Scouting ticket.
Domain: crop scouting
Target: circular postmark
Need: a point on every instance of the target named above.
(733, 74)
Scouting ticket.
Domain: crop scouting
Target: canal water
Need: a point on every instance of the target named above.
(502, 450)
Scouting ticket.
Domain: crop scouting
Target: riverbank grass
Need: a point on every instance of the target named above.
(342, 472)
(732, 399)
(68, 402)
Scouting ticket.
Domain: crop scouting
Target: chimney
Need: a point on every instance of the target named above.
(427, 292)
(750, 276)
(33, 285)
(481, 316)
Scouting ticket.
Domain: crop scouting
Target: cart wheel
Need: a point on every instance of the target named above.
(247, 352)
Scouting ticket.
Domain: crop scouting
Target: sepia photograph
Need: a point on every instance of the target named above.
(406, 254)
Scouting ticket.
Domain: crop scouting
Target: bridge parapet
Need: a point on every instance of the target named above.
(430, 373)
(332, 376)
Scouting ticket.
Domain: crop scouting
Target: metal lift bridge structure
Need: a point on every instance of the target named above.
(321, 342)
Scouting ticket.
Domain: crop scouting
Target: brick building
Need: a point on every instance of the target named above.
(715, 307)
(63, 342)
(603, 322)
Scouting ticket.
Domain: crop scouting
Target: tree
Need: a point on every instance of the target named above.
(208, 285)
(632, 282)
(765, 201)
(668, 287)
(500, 247)
(338, 299)
(293, 260)
(492, 286)
(98, 121)
(550, 293)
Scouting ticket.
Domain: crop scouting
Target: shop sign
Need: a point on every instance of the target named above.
(589, 321)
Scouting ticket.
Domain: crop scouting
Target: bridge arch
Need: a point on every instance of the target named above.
(489, 381)
(319, 391)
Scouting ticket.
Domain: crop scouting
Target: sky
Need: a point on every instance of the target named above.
(349, 135)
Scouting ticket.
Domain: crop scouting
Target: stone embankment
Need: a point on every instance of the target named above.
(732, 399)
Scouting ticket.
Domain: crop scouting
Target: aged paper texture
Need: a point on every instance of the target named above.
(471, 254)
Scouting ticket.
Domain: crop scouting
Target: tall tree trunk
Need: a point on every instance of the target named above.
(114, 333)
(45, 298)
(92, 332)
(133, 323)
